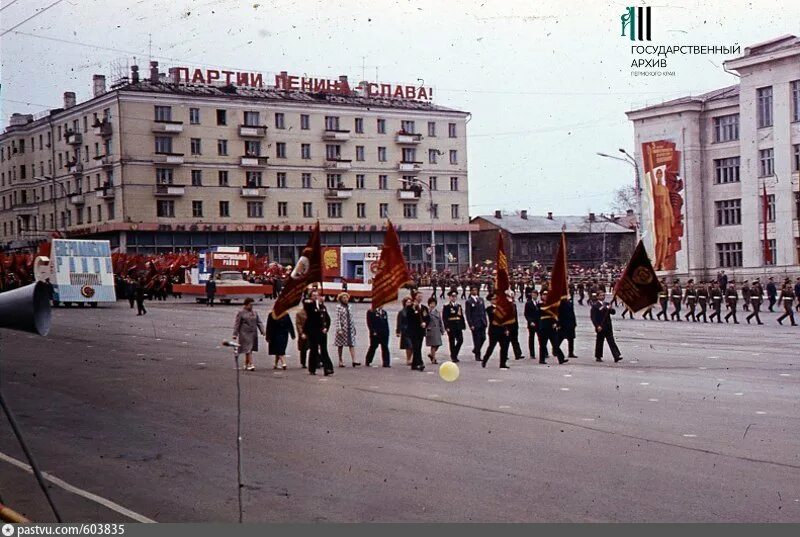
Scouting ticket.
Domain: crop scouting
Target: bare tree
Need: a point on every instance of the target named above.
(624, 199)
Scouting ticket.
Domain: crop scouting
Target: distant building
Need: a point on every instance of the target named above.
(591, 239)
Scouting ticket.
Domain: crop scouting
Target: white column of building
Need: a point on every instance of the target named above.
(752, 139)
(782, 182)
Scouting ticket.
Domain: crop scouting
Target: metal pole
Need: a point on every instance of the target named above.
(433, 231)
(239, 471)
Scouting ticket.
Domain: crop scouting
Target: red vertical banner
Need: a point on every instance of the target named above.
(558, 279)
(663, 200)
(307, 271)
(504, 309)
(392, 271)
(765, 214)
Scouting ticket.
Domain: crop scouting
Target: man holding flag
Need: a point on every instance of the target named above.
(503, 312)
(557, 291)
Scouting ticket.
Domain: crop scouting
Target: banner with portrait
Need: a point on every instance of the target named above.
(662, 203)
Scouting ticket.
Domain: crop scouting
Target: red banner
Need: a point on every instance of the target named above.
(663, 188)
(504, 309)
(392, 271)
(558, 280)
(307, 271)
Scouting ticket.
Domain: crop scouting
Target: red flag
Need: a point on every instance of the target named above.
(392, 270)
(307, 270)
(558, 280)
(639, 286)
(504, 309)
(765, 210)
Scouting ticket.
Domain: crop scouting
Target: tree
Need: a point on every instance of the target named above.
(624, 199)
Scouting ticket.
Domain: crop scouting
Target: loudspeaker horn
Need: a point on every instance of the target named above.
(26, 308)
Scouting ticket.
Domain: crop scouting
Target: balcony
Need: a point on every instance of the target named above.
(102, 128)
(74, 167)
(336, 135)
(248, 161)
(74, 138)
(104, 161)
(338, 164)
(168, 127)
(26, 208)
(169, 190)
(76, 199)
(174, 159)
(408, 138)
(339, 193)
(408, 194)
(105, 193)
(408, 166)
(253, 192)
(252, 131)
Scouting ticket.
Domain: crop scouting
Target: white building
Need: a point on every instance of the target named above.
(734, 142)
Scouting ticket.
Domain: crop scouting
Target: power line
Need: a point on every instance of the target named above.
(29, 18)
(9, 4)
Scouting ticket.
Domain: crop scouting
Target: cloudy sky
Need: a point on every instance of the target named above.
(547, 82)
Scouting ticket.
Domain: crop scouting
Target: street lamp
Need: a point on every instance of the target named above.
(638, 186)
(419, 184)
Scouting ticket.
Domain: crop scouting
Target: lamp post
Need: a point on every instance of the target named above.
(419, 185)
(52, 178)
(637, 187)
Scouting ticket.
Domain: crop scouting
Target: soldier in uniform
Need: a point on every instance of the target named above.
(663, 299)
(746, 295)
(601, 319)
(513, 329)
(676, 294)
(548, 329)
(797, 293)
(378, 327)
(732, 301)
(787, 299)
(316, 330)
(416, 324)
(756, 298)
(716, 302)
(498, 335)
(581, 292)
(691, 300)
(702, 300)
(454, 324)
(648, 313)
(475, 310)
(772, 293)
(533, 316)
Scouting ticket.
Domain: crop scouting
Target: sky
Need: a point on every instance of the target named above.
(547, 83)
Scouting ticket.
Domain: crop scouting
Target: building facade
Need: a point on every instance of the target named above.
(735, 143)
(155, 165)
(591, 240)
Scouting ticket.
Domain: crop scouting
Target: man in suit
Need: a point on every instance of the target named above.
(416, 324)
(533, 316)
(498, 335)
(548, 326)
(475, 309)
(604, 328)
(454, 324)
(211, 291)
(772, 294)
(378, 326)
(567, 323)
(513, 329)
(316, 330)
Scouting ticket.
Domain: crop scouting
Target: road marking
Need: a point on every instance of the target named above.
(568, 375)
(140, 354)
(690, 436)
(760, 412)
(756, 354)
(587, 419)
(653, 400)
(644, 384)
(184, 342)
(564, 389)
(322, 380)
(503, 407)
(702, 368)
(739, 393)
(494, 380)
(713, 357)
(201, 363)
(785, 375)
(79, 492)
(434, 395)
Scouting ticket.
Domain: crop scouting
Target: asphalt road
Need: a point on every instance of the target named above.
(697, 423)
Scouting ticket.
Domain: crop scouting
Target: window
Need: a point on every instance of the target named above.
(163, 113)
(331, 123)
(334, 180)
(361, 210)
(360, 181)
(383, 210)
(283, 209)
(222, 177)
(194, 116)
(165, 209)
(435, 210)
(359, 125)
(383, 182)
(432, 154)
(305, 151)
(454, 212)
(796, 100)
(409, 210)
(335, 209)
(308, 209)
(333, 151)
(255, 209)
(251, 119)
(164, 176)
(796, 158)
(431, 128)
(253, 179)
(110, 209)
(726, 170)
(222, 117)
(770, 208)
(454, 184)
(729, 212)
(407, 126)
(381, 154)
(196, 148)
(451, 130)
(726, 128)
(252, 148)
(281, 179)
(280, 149)
(729, 254)
(197, 177)
(197, 209)
(224, 209)
(280, 122)
(764, 106)
(304, 122)
(305, 180)
(409, 154)
(453, 156)
(381, 123)
(359, 153)
(163, 144)
(771, 246)
(766, 165)
(222, 147)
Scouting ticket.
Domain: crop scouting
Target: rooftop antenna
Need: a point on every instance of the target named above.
(150, 47)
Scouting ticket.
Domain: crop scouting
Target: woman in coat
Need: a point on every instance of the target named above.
(278, 332)
(401, 330)
(245, 332)
(345, 329)
(434, 330)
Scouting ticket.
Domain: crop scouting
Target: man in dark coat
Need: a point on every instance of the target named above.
(513, 330)
(454, 324)
(316, 331)
(548, 326)
(378, 327)
(140, 293)
(416, 323)
(772, 294)
(498, 335)
(211, 291)
(567, 324)
(603, 327)
(476, 319)
(533, 316)
(130, 291)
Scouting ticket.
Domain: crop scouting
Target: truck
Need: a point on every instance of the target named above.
(349, 268)
(227, 265)
(80, 271)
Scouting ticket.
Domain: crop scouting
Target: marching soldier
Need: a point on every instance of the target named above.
(378, 327)
(702, 300)
(732, 301)
(604, 329)
(691, 300)
(677, 298)
(797, 293)
(498, 335)
(648, 313)
(716, 302)
(316, 330)
(416, 323)
(756, 298)
(513, 329)
(475, 310)
(787, 299)
(454, 324)
(547, 327)
(746, 295)
(533, 316)
(772, 293)
(663, 299)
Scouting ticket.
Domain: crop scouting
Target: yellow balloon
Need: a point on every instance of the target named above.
(449, 372)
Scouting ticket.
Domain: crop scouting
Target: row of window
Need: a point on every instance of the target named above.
(83, 215)
(726, 128)
(729, 254)
(255, 209)
(729, 212)
(726, 170)
(252, 118)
